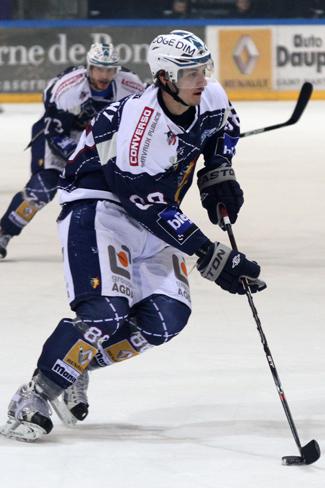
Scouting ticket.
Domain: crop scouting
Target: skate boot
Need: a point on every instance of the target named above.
(73, 403)
(4, 240)
(28, 414)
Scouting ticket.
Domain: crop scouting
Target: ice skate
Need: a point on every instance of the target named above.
(4, 240)
(73, 404)
(28, 415)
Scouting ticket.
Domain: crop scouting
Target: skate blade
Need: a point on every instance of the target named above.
(63, 413)
(21, 430)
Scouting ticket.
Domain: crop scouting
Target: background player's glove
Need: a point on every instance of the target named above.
(62, 146)
(87, 112)
(225, 267)
(219, 186)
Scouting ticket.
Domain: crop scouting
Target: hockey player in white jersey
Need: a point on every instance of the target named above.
(71, 99)
(123, 232)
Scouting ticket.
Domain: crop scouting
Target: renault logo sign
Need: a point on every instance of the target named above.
(245, 55)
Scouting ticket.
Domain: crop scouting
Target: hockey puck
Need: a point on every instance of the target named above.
(292, 460)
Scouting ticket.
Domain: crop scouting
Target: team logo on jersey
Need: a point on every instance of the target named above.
(171, 138)
(80, 355)
(138, 134)
(83, 95)
(120, 260)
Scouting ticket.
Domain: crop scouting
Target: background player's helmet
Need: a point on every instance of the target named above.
(176, 51)
(102, 56)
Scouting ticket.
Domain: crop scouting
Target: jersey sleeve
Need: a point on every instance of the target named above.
(128, 83)
(221, 147)
(67, 107)
(58, 125)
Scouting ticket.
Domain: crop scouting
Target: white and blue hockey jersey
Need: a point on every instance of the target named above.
(70, 103)
(133, 154)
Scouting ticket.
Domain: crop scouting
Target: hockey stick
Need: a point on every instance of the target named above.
(36, 136)
(311, 451)
(303, 98)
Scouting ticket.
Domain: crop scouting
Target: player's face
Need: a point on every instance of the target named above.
(100, 78)
(191, 84)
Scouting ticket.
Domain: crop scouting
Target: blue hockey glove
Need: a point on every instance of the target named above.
(62, 146)
(87, 112)
(226, 267)
(219, 186)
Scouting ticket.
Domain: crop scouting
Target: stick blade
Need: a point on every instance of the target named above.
(304, 96)
(311, 452)
(292, 460)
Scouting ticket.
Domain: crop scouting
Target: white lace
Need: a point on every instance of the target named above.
(77, 393)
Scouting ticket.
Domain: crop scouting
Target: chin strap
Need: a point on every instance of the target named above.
(171, 93)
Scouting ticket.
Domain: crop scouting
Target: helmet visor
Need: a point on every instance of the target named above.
(193, 76)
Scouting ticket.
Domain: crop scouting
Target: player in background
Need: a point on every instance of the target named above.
(123, 232)
(71, 99)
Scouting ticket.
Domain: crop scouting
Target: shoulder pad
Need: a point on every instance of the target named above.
(129, 81)
(68, 81)
(126, 70)
(214, 96)
(71, 90)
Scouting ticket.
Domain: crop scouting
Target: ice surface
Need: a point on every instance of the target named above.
(201, 411)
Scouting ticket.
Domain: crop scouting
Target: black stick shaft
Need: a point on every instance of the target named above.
(303, 98)
(266, 348)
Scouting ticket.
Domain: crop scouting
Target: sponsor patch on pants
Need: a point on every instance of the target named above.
(65, 371)
(80, 355)
(26, 211)
(121, 351)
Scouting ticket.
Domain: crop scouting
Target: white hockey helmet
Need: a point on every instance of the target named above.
(102, 56)
(176, 51)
